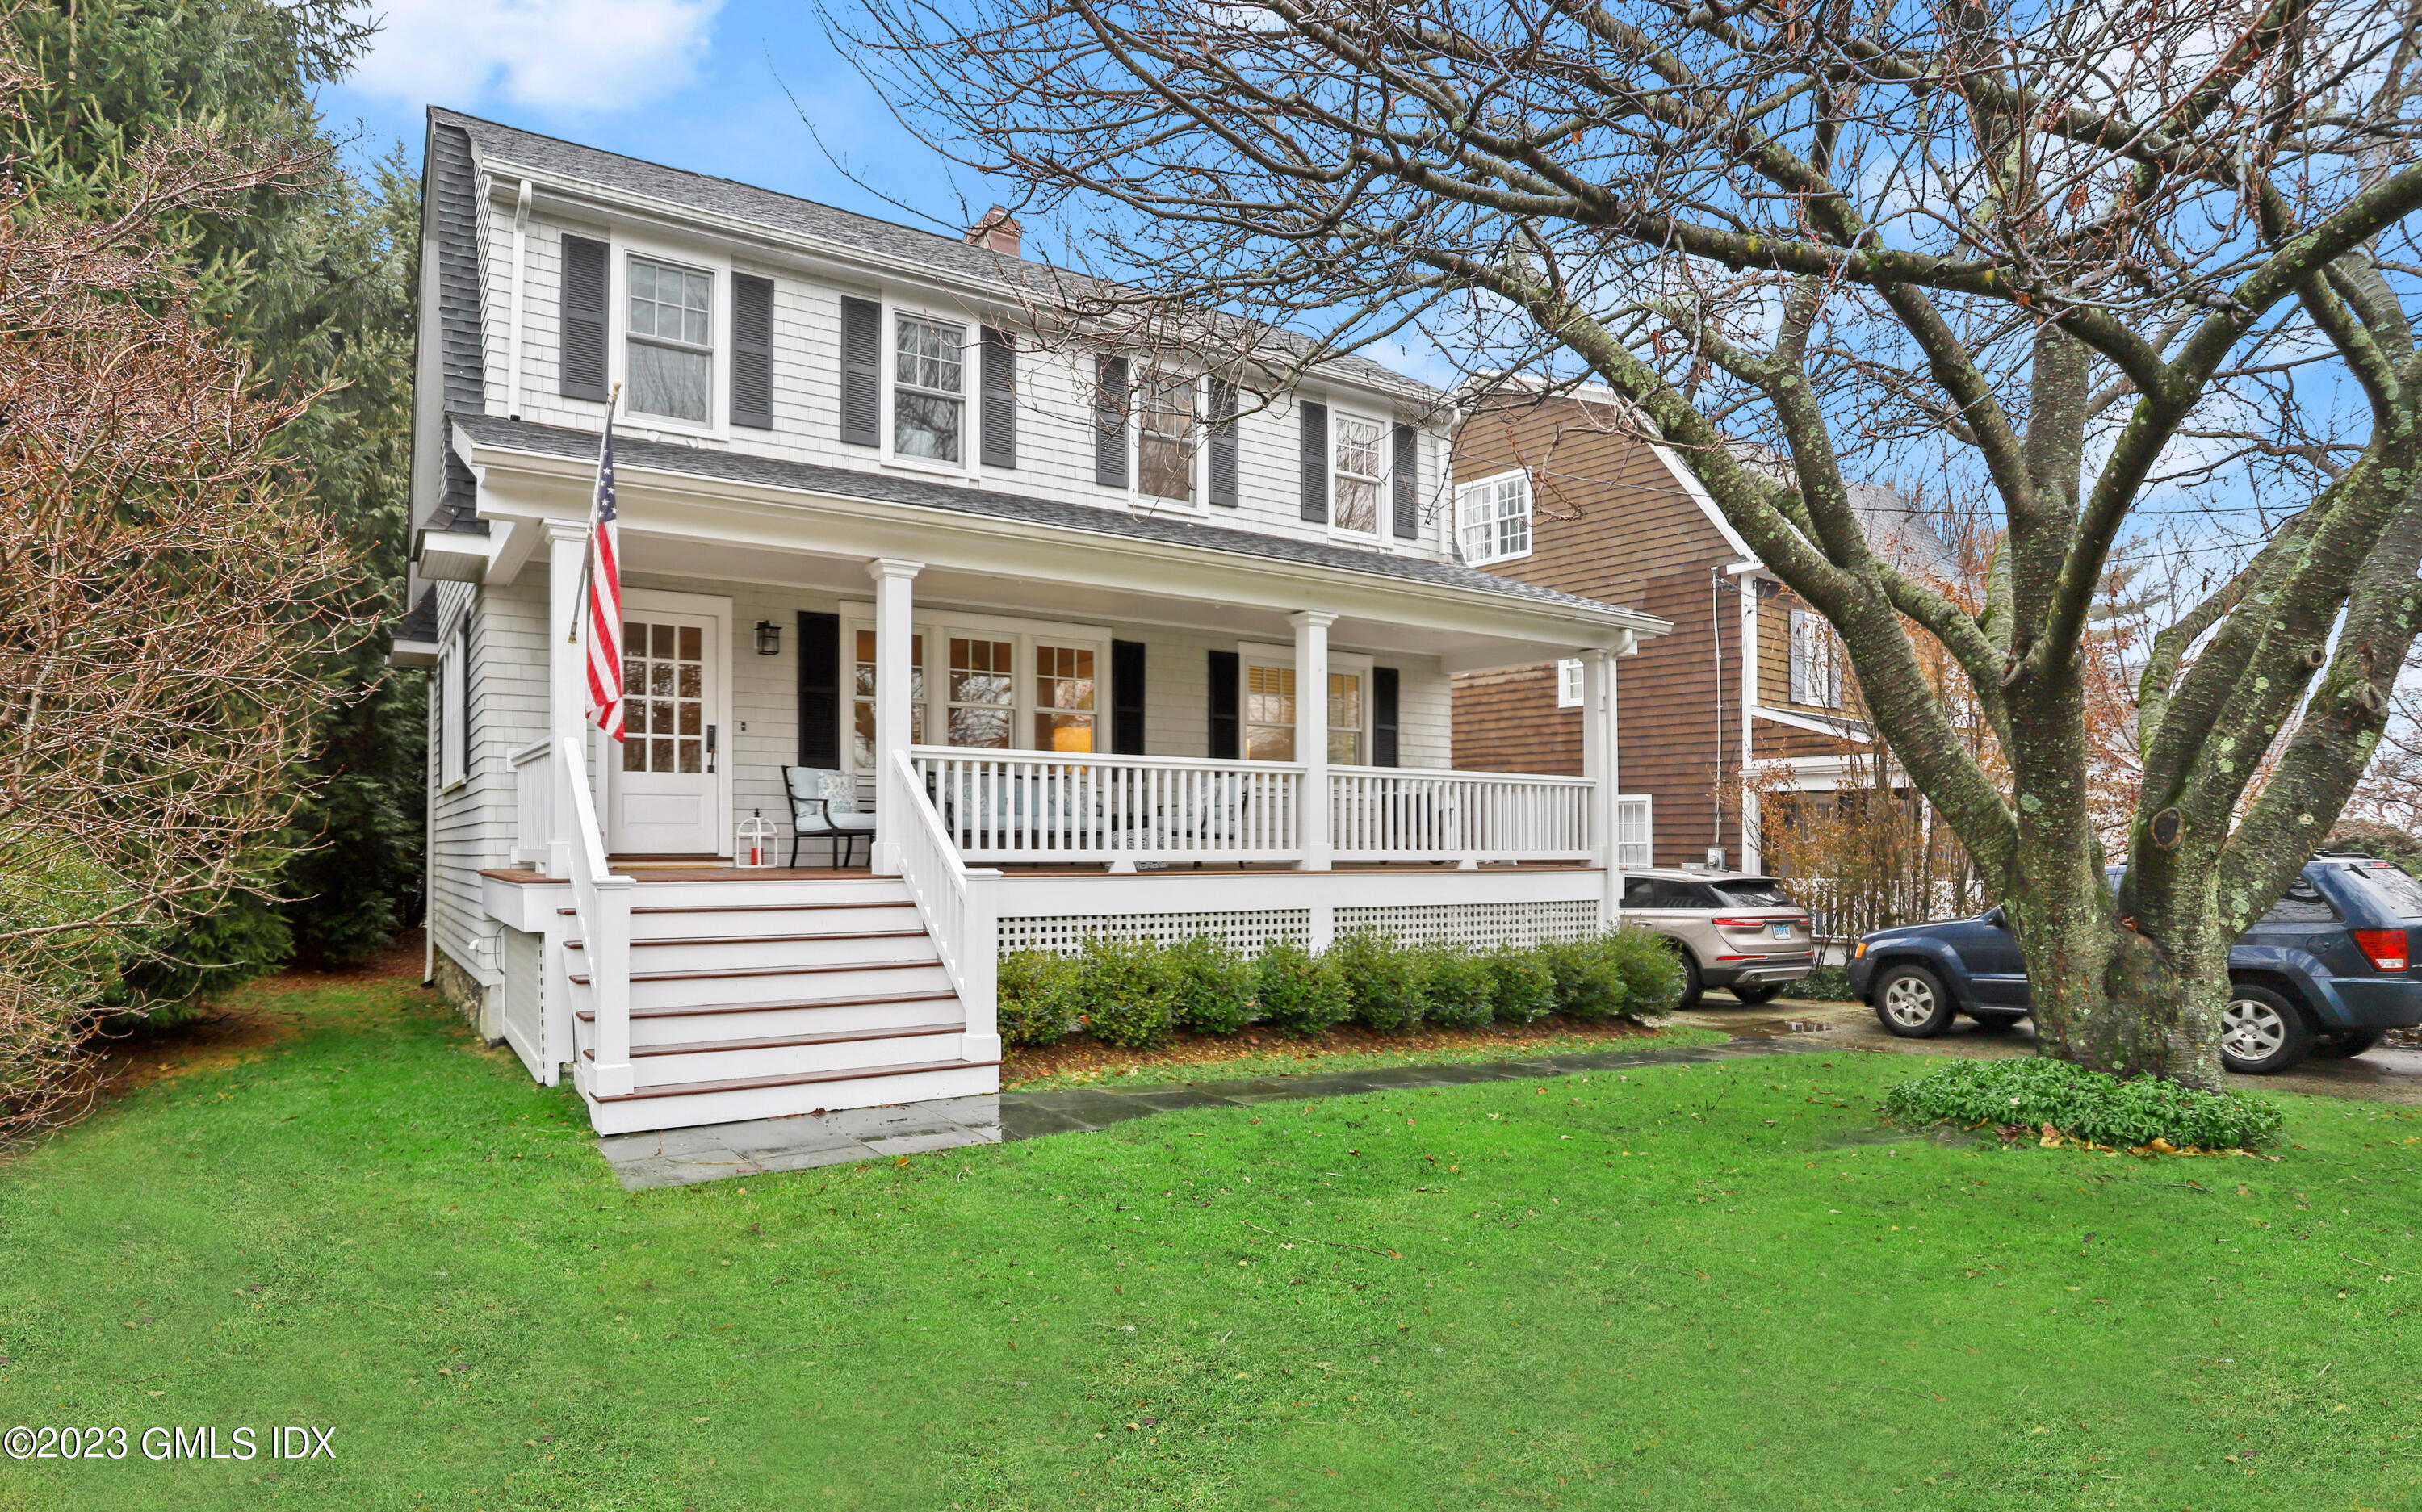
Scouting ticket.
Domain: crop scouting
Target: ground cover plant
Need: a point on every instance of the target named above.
(1681, 1288)
(2066, 1100)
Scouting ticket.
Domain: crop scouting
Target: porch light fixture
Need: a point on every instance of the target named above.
(769, 639)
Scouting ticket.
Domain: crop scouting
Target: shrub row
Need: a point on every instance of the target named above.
(2083, 1105)
(1133, 993)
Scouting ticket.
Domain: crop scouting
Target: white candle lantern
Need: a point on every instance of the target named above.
(753, 845)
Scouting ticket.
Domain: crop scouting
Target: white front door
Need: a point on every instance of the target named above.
(666, 784)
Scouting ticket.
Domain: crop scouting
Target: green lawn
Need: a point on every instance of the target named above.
(1682, 1288)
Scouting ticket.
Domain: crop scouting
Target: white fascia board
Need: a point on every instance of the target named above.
(741, 515)
(606, 203)
(412, 653)
(1843, 728)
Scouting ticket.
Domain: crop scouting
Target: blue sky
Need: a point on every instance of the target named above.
(716, 86)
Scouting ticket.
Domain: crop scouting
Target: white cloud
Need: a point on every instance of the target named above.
(567, 56)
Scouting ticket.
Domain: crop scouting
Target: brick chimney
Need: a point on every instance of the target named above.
(998, 231)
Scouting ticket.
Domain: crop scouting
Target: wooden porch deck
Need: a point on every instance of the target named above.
(688, 870)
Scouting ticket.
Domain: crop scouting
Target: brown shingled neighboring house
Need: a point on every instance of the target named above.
(1564, 491)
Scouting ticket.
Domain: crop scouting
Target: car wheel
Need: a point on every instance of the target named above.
(1996, 1023)
(1911, 1002)
(2346, 1046)
(1755, 994)
(2261, 1032)
(1693, 985)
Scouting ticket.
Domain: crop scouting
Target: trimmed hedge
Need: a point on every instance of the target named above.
(1132, 993)
(2084, 1105)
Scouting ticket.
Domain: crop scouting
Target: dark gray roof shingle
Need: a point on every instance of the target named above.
(787, 212)
(630, 451)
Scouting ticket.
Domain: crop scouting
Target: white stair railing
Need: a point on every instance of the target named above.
(961, 908)
(1380, 813)
(533, 802)
(1046, 806)
(601, 900)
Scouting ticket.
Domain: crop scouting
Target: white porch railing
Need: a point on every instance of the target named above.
(1040, 806)
(961, 910)
(534, 802)
(601, 900)
(1405, 813)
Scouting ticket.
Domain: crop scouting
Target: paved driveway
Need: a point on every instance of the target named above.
(2382, 1075)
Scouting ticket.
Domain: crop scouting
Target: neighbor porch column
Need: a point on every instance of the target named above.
(1599, 764)
(1312, 733)
(567, 682)
(894, 639)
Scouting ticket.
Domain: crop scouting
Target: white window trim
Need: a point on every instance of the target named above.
(1648, 818)
(971, 386)
(1257, 653)
(1463, 492)
(1380, 535)
(1198, 498)
(718, 267)
(1568, 683)
(454, 706)
(937, 626)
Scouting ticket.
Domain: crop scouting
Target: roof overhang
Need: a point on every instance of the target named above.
(758, 523)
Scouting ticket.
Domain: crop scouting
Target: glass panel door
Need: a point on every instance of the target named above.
(664, 676)
(664, 796)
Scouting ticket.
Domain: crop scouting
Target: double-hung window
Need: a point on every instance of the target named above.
(984, 691)
(929, 389)
(1493, 518)
(1815, 661)
(1165, 436)
(669, 352)
(1361, 463)
(862, 698)
(1063, 698)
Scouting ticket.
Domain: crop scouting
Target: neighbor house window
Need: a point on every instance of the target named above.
(984, 691)
(929, 389)
(1165, 438)
(1569, 684)
(862, 696)
(1359, 465)
(1631, 839)
(670, 349)
(1063, 698)
(1493, 518)
(1815, 661)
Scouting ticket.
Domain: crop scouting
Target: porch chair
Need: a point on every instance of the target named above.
(824, 803)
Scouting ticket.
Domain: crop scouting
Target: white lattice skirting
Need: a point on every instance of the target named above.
(1245, 931)
(1479, 927)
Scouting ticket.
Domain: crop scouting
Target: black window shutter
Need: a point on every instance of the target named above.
(820, 690)
(1315, 462)
(1224, 673)
(1111, 422)
(1126, 698)
(752, 351)
(585, 276)
(861, 372)
(1408, 481)
(1224, 443)
(1383, 717)
(999, 382)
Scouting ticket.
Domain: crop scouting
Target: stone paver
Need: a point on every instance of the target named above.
(712, 1152)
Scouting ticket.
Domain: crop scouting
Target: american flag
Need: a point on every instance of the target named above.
(604, 607)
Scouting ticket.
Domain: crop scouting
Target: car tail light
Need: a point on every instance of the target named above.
(1751, 923)
(2386, 947)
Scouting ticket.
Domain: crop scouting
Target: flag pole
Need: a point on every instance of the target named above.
(588, 548)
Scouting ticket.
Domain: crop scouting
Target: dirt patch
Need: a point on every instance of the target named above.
(1082, 1056)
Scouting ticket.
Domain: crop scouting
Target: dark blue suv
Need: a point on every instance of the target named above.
(2326, 971)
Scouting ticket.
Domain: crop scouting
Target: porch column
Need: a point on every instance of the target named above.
(1312, 733)
(894, 637)
(1600, 766)
(567, 681)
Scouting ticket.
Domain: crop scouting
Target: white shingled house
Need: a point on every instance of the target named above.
(1108, 639)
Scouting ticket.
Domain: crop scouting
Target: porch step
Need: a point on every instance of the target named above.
(727, 973)
(866, 1015)
(830, 1055)
(786, 1042)
(762, 940)
(588, 1015)
(795, 1079)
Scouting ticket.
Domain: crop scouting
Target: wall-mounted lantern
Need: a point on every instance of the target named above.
(769, 639)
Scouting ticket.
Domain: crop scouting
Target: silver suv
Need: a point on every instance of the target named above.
(1731, 930)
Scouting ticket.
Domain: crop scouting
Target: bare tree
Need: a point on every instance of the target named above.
(167, 595)
(2085, 255)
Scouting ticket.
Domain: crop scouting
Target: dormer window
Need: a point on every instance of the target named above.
(670, 349)
(929, 389)
(1361, 464)
(1165, 438)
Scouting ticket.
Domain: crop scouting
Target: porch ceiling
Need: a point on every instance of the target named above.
(1066, 562)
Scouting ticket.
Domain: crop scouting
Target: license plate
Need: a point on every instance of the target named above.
(1782, 931)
